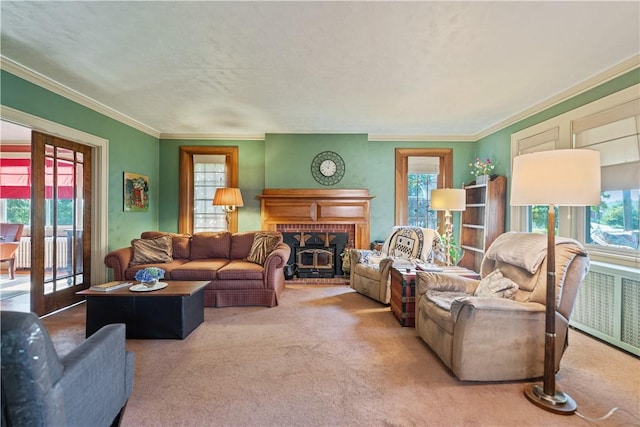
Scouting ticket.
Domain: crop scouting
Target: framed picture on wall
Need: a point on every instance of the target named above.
(136, 192)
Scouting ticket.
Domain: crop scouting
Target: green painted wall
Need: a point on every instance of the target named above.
(129, 150)
(284, 161)
(251, 179)
(497, 146)
(289, 157)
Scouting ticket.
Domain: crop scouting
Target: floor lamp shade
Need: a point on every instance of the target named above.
(558, 177)
(563, 178)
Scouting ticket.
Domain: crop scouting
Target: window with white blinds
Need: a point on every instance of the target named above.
(615, 133)
(610, 125)
(208, 174)
(543, 141)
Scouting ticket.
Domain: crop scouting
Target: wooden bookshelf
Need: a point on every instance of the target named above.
(482, 220)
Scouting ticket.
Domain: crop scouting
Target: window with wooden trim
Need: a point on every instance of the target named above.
(422, 177)
(202, 170)
(416, 176)
(209, 174)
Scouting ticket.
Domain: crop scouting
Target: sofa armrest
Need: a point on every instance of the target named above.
(385, 268)
(355, 255)
(278, 257)
(119, 260)
(444, 282)
(274, 265)
(98, 374)
(489, 304)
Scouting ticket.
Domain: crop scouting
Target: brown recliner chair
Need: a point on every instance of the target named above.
(491, 330)
(10, 235)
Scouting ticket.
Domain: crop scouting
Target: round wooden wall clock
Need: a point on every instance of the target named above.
(327, 168)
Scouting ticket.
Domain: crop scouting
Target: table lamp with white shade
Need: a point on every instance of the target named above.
(447, 200)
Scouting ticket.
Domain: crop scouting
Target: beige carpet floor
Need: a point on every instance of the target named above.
(327, 356)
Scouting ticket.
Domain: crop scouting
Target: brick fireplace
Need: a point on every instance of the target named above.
(318, 211)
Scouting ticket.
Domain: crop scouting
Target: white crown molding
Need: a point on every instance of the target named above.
(423, 138)
(214, 136)
(598, 79)
(45, 82)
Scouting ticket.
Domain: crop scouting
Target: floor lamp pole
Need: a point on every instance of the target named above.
(547, 397)
(448, 232)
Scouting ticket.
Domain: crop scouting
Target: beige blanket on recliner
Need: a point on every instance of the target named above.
(525, 250)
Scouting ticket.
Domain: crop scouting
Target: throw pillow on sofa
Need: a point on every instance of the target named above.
(181, 245)
(263, 244)
(152, 251)
(496, 285)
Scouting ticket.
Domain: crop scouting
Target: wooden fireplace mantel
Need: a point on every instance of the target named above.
(317, 206)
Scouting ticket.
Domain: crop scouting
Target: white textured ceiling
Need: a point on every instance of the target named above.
(382, 68)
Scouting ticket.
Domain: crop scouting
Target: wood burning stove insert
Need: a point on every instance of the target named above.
(316, 254)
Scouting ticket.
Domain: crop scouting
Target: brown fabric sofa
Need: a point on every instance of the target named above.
(219, 257)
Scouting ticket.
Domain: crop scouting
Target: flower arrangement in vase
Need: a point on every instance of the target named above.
(149, 276)
(481, 170)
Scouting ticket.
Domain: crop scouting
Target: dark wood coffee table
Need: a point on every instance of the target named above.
(172, 312)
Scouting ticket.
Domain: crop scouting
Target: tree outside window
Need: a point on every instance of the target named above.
(614, 223)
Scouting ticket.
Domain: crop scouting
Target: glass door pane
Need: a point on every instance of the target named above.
(60, 245)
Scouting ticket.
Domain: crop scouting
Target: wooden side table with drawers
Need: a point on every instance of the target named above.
(403, 291)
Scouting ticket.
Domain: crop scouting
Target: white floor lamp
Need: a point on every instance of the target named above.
(554, 178)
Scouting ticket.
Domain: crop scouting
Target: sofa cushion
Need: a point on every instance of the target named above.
(496, 285)
(181, 242)
(211, 245)
(241, 270)
(181, 246)
(371, 272)
(241, 245)
(130, 273)
(152, 251)
(198, 269)
(263, 244)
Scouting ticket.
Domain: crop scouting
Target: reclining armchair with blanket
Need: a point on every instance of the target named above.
(87, 387)
(494, 329)
(403, 247)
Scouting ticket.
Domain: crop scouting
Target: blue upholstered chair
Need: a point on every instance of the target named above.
(89, 386)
